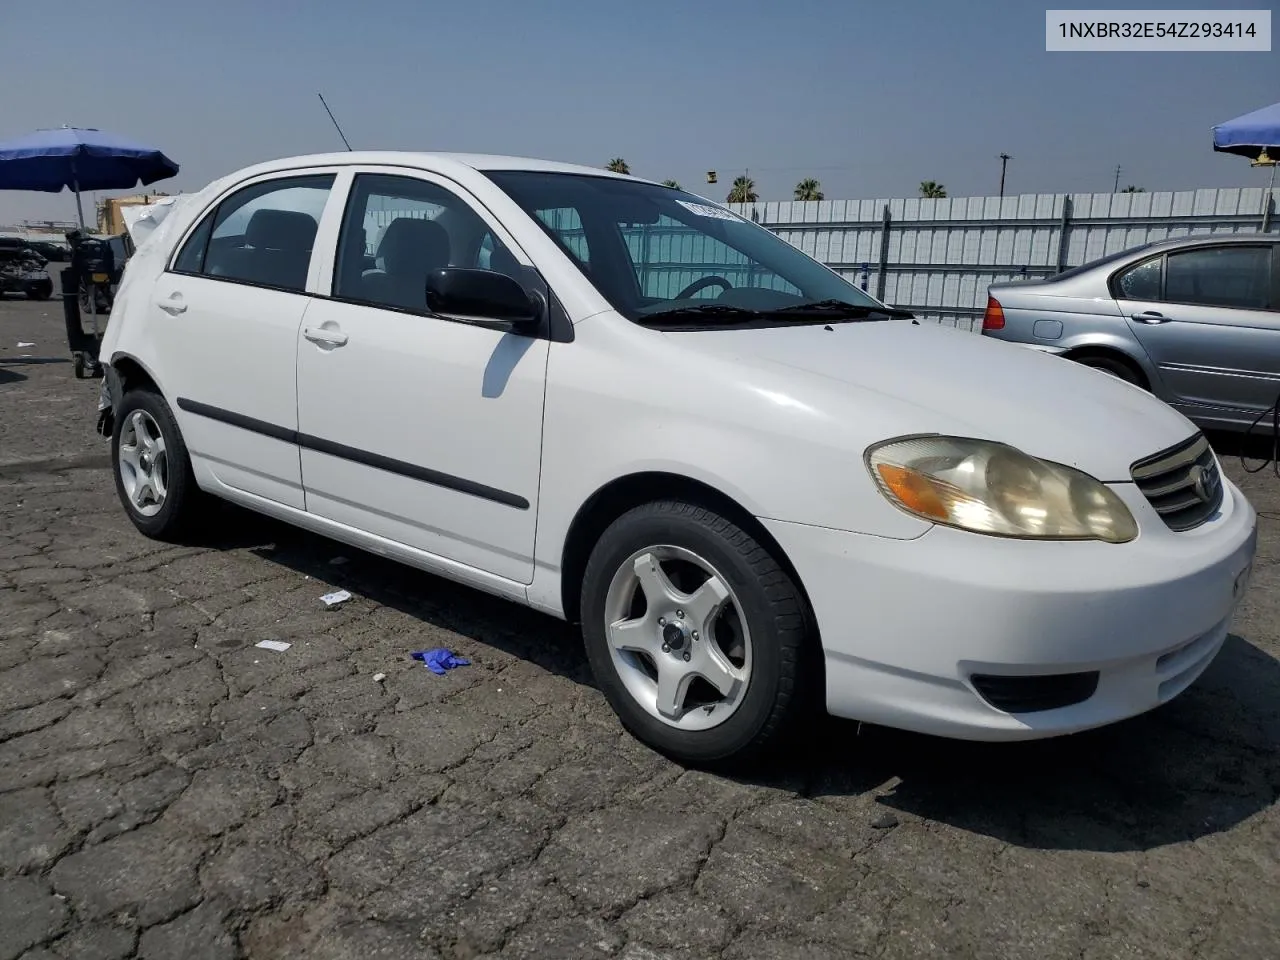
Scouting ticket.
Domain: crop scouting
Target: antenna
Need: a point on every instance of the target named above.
(334, 119)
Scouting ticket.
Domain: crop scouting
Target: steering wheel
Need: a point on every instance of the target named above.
(712, 281)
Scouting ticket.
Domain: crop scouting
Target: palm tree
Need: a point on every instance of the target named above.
(618, 165)
(673, 184)
(1132, 189)
(808, 189)
(932, 189)
(743, 191)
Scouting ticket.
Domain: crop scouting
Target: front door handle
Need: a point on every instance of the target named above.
(173, 305)
(328, 338)
(1150, 316)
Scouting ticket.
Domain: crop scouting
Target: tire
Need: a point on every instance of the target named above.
(180, 499)
(772, 659)
(1120, 369)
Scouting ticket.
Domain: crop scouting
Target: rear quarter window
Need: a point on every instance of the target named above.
(1141, 281)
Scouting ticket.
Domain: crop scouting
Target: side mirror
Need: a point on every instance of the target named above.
(483, 297)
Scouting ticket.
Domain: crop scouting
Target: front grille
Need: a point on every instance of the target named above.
(1183, 483)
(1032, 694)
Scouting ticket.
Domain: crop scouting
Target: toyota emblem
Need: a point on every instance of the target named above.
(1203, 482)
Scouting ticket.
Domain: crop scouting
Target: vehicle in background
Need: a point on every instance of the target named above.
(52, 250)
(22, 270)
(1195, 320)
(23, 247)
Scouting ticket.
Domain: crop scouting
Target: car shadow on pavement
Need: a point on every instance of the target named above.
(1196, 766)
(10, 376)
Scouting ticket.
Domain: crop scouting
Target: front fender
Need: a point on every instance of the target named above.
(621, 402)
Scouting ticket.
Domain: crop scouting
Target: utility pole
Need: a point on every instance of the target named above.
(1004, 162)
(1116, 188)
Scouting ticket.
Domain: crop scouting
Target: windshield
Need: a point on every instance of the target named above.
(656, 253)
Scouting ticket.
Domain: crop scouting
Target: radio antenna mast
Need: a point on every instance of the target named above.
(334, 119)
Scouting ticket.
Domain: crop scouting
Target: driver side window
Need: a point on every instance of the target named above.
(669, 258)
(397, 230)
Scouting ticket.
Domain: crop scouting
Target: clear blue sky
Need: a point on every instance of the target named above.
(871, 98)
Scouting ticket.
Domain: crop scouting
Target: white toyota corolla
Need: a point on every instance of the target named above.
(759, 489)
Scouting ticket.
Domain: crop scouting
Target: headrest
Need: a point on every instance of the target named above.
(281, 230)
(413, 245)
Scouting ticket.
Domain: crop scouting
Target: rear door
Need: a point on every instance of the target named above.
(1209, 318)
(225, 319)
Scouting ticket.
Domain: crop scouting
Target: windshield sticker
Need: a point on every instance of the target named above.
(703, 210)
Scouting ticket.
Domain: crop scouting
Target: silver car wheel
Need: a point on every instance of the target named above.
(143, 463)
(678, 638)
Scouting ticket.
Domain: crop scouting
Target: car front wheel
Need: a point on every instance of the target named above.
(152, 469)
(696, 635)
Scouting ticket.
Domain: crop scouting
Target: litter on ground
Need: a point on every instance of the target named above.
(440, 660)
(379, 677)
(24, 343)
(279, 646)
(335, 598)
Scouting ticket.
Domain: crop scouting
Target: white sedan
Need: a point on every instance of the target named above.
(760, 490)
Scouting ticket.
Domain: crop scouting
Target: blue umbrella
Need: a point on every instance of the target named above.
(79, 158)
(1251, 135)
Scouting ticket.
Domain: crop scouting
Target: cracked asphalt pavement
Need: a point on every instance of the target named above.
(168, 790)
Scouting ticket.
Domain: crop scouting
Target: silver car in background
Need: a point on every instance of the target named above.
(1195, 320)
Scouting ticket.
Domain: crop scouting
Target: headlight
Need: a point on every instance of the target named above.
(992, 488)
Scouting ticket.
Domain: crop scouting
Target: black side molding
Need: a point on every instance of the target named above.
(355, 455)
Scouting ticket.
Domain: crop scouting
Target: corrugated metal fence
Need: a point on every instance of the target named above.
(936, 257)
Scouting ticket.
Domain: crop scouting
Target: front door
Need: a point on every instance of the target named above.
(225, 318)
(418, 429)
(1209, 318)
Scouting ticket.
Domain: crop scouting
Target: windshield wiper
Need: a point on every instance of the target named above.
(708, 313)
(717, 314)
(839, 308)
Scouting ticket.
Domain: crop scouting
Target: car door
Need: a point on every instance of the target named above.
(225, 319)
(1209, 318)
(422, 430)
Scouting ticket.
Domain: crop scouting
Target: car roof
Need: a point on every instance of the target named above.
(1213, 238)
(435, 162)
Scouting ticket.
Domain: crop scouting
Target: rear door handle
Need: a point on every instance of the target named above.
(173, 305)
(329, 338)
(1150, 316)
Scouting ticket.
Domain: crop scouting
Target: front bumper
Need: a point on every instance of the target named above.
(908, 624)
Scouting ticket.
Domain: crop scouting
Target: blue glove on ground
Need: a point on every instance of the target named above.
(440, 660)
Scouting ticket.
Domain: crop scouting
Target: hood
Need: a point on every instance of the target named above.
(931, 379)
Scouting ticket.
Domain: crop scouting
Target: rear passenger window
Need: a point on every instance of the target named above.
(1220, 277)
(1142, 282)
(261, 235)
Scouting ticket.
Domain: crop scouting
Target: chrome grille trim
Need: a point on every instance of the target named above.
(1182, 483)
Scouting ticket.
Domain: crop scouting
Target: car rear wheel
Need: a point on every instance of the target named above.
(152, 469)
(1120, 369)
(696, 635)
